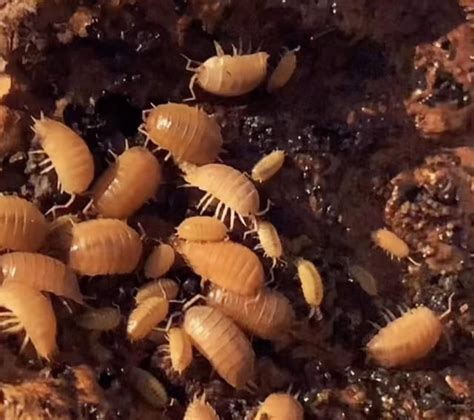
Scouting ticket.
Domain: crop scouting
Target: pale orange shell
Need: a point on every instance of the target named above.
(391, 243)
(202, 228)
(181, 350)
(311, 282)
(268, 166)
(187, 132)
(200, 409)
(280, 407)
(222, 343)
(406, 339)
(165, 288)
(146, 316)
(270, 240)
(22, 226)
(283, 72)
(159, 262)
(127, 184)
(228, 264)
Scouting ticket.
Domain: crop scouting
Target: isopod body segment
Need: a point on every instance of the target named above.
(202, 229)
(146, 316)
(165, 288)
(186, 132)
(223, 344)
(391, 243)
(181, 350)
(200, 409)
(149, 388)
(280, 406)
(127, 184)
(283, 71)
(311, 282)
(406, 339)
(268, 166)
(99, 319)
(159, 262)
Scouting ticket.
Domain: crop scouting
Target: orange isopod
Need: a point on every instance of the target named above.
(69, 155)
(222, 343)
(104, 246)
(229, 75)
(280, 406)
(32, 312)
(406, 339)
(268, 166)
(22, 226)
(181, 351)
(202, 229)
(267, 315)
(311, 284)
(165, 288)
(230, 187)
(269, 242)
(200, 409)
(283, 71)
(391, 243)
(146, 316)
(186, 132)
(228, 264)
(127, 184)
(41, 272)
(159, 262)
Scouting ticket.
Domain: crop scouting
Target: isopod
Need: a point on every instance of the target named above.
(186, 132)
(149, 388)
(268, 166)
(146, 316)
(100, 319)
(97, 350)
(283, 71)
(22, 226)
(267, 315)
(104, 246)
(200, 409)
(29, 311)
(68, 153)
(231, 188)
(406, 339)
(122, 189)
(229, 75)
(228, 264)
(159, 262)
(181, 351)
(222, 343)
(203, 229)
(390, 243)
(269, 241)
(280, 406)
(311, 283)
(165, 288)
(365, 279)
(42, 273)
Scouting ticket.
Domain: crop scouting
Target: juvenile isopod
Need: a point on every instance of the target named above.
(283, 71)
(187, 133)
(100, 319)
(267, 315)
(228, 264)
(127, 184)
(269, 241)
(390, 243)
(268, 166)
(42, 273)
(97, 350)
(231, 188)
(222, 343)
(146, 316)
(200, 409)
(32, 312)
(22, 226)
(202, 229)
(311, 284)
(180, 348)
(104, 246)
(165, 288)
(365, 279)
(280, 406)
(68, 153)
(229, 75)
(149, 388)
(159, 262)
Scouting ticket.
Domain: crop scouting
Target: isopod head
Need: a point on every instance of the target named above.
(390, 243)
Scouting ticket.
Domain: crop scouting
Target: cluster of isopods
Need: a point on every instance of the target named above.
(236, 304)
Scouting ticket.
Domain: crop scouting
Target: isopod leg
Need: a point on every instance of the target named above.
(450, 307)
(61, 206)
(219, 50)
(191, 89)
(207, 204)
(202, 200)
(232, 219)
(25, 343)
(242, 220)
(265, 210)
(88, 206)
(218, 209)
(47, 169)
(46, 161)
(192, 301)
(14, 329)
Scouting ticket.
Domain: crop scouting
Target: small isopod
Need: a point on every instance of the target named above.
(311, 283)
(283, 71)
(149, 388)
(100, 319)
(181, 350)
(32, 312)
(68, 153)
(146, 316)
(122, 189)
(280, 406)
(228, 264)
(97, 350)
(390, 243)
(186, 132)
(268, 166)
(267, 315)
(22, 226)
(229, 75)
(104, 246)
(222, 343)
(203, 229)
(159, 262)
(231, 188)
(365, 279)
(165, 288)
(200, 409)
(269, 242)
(42, 273)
